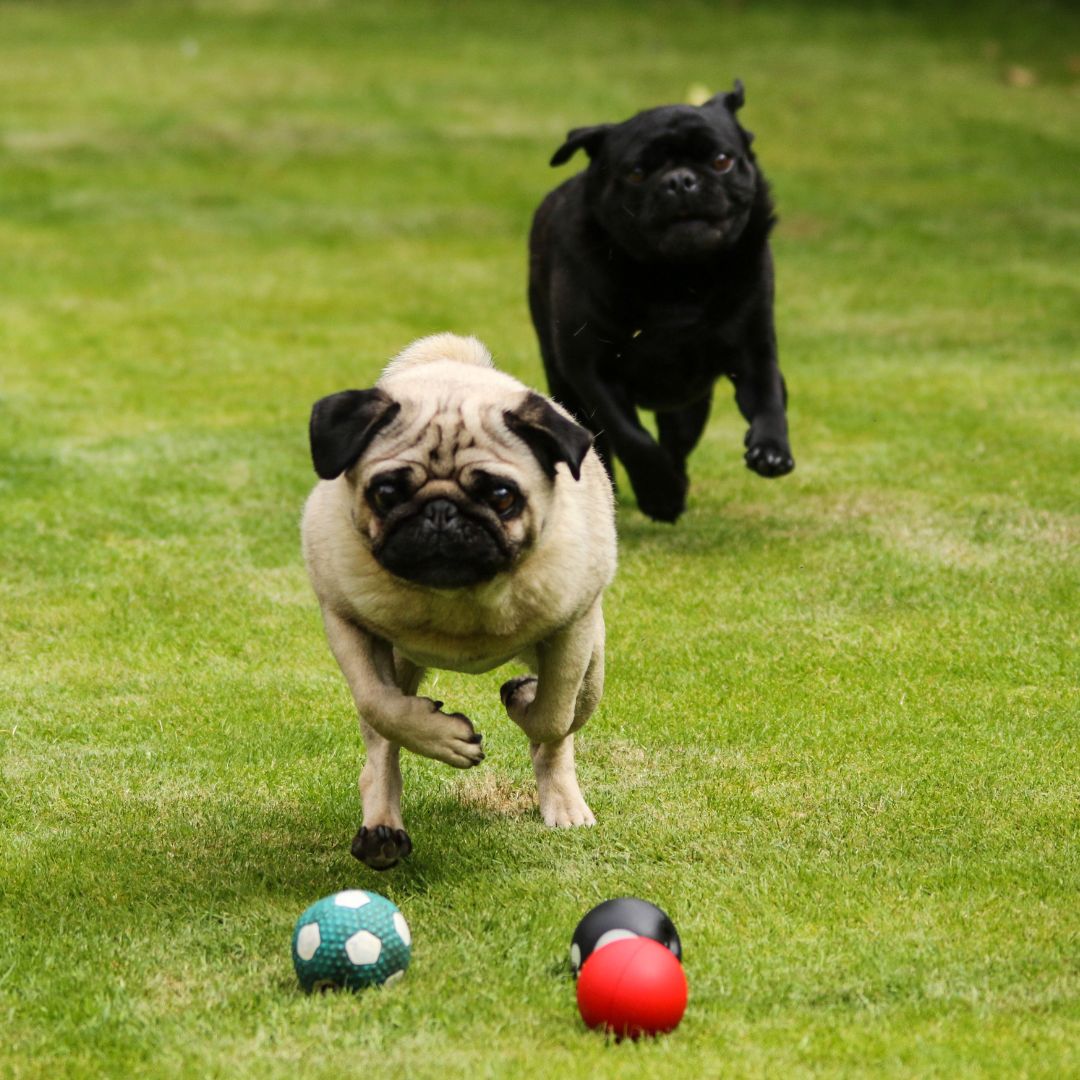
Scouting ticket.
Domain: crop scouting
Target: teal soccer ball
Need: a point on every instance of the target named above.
(350, 940)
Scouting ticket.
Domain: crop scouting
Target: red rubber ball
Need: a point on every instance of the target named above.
(632, 987)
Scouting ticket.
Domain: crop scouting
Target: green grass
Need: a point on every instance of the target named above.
(839, 741)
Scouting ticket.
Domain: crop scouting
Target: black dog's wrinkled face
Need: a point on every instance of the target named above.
(674, 184)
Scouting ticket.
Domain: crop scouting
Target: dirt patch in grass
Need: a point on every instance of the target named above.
(493, 794)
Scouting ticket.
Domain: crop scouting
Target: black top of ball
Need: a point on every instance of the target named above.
(625, 916)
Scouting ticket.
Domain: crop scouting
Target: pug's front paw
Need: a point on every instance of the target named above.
(381, 847)
(517, 695)
(447, 737)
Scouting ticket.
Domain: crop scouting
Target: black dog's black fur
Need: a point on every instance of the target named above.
(651, 277)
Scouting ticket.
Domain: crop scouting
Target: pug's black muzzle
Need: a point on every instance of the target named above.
(442, 545)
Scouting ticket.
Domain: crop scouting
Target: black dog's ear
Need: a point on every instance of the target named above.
(551, 436)
(735, 98)
(732, 100)
(342, 425)
(588, 139)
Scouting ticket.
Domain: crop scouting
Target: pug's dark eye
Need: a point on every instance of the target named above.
(384, 495)
(502, 499)
(636, 175)
(723, 163)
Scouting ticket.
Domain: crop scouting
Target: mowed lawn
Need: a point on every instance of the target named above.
(839, 740)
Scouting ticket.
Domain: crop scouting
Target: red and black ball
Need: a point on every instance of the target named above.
(624, 917)
(632, 987)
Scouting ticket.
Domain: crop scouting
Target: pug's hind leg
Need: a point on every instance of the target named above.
(382, 840)
(561, 803)
(551, 706)
(568, 683)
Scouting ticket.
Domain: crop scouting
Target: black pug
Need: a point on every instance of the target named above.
(650, 276)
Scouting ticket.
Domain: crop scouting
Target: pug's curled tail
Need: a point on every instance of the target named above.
(465, 350)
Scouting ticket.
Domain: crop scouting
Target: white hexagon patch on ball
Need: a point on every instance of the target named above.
(363, 948)
(352, 898)
(308, 941)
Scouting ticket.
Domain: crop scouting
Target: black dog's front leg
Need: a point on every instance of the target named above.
(762, 401)
(658, 480)
(761, 396)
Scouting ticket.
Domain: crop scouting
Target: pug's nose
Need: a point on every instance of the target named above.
(439, 513)
(681, 182)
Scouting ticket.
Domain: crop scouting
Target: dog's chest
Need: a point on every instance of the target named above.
(673, 354)
(453, 630)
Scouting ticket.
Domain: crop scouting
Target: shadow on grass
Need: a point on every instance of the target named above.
(185, 857)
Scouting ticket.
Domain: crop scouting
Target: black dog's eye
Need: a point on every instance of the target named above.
(723, 163)
(385, 494)
(636, 175)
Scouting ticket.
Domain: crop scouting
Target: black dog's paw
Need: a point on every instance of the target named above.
(665, 503)
(381, 847)
(660, 487)
(768, 458)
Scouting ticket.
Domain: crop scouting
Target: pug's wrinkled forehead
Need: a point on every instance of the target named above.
(443, 436)
(440, 416)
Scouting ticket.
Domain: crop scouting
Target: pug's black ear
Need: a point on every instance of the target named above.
(551, 436)
(342, 425)
(732, 100)
(588, 139)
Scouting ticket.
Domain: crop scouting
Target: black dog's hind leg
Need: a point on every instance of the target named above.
(680, 429)
(678, 432)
